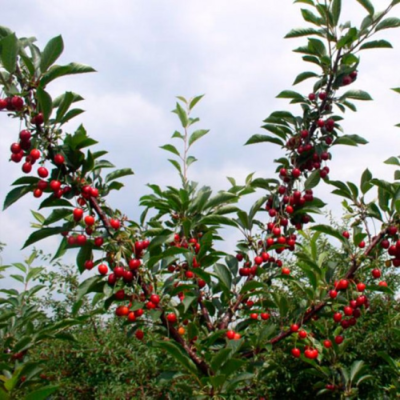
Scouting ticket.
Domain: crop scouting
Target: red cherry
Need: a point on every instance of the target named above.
(383, 283)
(392, 230)
(258, 260)
(348, 311)
(254, 316)
(78, 214)
(27, 167)
(327, 344)
(94, 192)
(120, 294)
(285, 271)
(81, 240)
(89, 220)
(189, 274)
(131, 316)
(296, 173)
(37, 193)
(112, 279)
(119, 271)
(239, 257)
(139, 334)
(17, 157)
(230, 335)
(3, 104)
(294, 328)
(322, 95)
(98, 241)
(339, 339)
(155, 298)
(35, 154)
(134, 264)
(15, 148)
(139, 312)
(337, 317)
(276, 231)
(71, 240)
(25, 135)
(172, 318)
(237, 336)
(43, 172)
(376, 273)
(312, 96)
(201, 283)
(89, 264)
(265, 316)
(346, 234)
(115, 224)
(55, 185)
(302, 334)
(333, 294)
(361, 287)
(59, 159)
(296, 352)
(361, 245)
(103, 269)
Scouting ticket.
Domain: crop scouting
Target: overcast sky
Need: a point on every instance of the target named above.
(147, 52)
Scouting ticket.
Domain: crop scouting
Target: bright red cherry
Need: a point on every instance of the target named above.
(327, 344)
(230, 334)
(27, 167)
(59, 159)
(25, 135)
(37, 193)
(89, 220)
(81, 240)
(131, 316)
(35, 154)
(89, 264)
(103, 269)
(346, 234)
(265, 316)
(55, 185)
(258, 260)
(296, 352)
(302, 334)
(155, 298)
(254, 316)
(376, 273)
(339, 339)
(361, 286)
(120, 294)
(294, 328)
(15, 148)
(333, 294)
(115, 223)
(172, 318)
(337, 317)
(285, 271)
(78, 214)
(296, 173)
(98, 241)
(17, 102)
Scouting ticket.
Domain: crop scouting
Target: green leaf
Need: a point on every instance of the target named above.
(312, 180)
(336, 9)
(224, 275)
(119, 173)
(310, 17)
(328, 230)
(56, 71)
(219, 199)
(39, 217)
(51, 52)
(59, 99)
(350, 140)
(214, 219)
(220, 358)
(9, 52)
(42, 393)
(290, 94)
(257, 138)
(376, 44)
(64, 105)
(71, 114)
(85, 253)
(187, 302)
(15, 195)
(45, 103)
(194, 101)
(356, 95)
(368, 6)
(57, 214)
(171, 148)
(182, 115)
(87, 286)
(303, 76)
(197, 135)
(388, 23)
(42, 234)
(298, 32)
(365, 184)
(178, 354)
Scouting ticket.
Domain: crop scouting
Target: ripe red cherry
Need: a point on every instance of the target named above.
(119, 271)
(112, 279)
(71, 240)
(376, 273)
(265, 256)
(15, 148)
(285, 271)
(139, 312)
(258, 260)
(339, 339)
(89, 264)
(276, 231)
(302, 334)
(337, 317)
(296, 173)
(89, 220)
(230, 334)
(327, 344)
(189, 274)
(239, 257)
(43, 172)
(254, 316)
(383, 283)
(37, 193)
(55, 185)
(265, 316)
(27, 167)
(139, 334)
(25, 135)
(131, 316)
(134, 264)
(78, 214)
(201, 283)
(115, 224)
(361, 287)
(322, 95)
(343, 284)
(237, 336)
(103, 269)
(289, 209)
(346, 234)
(294, 328)
(98, 241)
(35, 154)
(59, 159)
(296, 352)
(128, 276)
(361, 245)
(94, 192)
(348, 311)
(172, 318)
(150, 305)
(121, 311)
(392, 230)
(155, 298)
(17, 102)
(81, 240)
(333, 294)
(120, 294)
(312, 96)
(3, 104)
